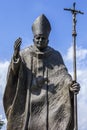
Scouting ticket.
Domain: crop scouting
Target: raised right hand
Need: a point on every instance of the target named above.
(17, 47)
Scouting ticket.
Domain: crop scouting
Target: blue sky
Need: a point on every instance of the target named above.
(16, 18)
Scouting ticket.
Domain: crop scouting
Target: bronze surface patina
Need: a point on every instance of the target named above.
(39, 89)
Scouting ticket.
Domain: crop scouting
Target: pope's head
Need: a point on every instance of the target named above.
(41, 29)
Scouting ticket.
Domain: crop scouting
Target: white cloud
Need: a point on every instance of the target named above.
(82, 99)
(82, 79)
(3, 72)
(4, 120)
(81, 53)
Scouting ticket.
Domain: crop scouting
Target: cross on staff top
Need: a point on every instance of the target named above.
(74, 12)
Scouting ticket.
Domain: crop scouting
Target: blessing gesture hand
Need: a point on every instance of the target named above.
(17, 47)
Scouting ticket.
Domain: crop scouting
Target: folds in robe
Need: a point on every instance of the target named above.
(25, 103)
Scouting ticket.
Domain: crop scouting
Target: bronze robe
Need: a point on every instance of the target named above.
(29, 107)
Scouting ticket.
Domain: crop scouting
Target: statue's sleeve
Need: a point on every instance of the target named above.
(11, 84)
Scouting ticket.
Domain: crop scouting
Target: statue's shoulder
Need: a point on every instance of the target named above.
(56, 57)
(26, 51)
(55, 53)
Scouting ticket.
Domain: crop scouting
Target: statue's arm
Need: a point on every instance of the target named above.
(12, 78)
(10, 90)
(74, 86)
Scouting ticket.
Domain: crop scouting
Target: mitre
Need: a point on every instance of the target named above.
(41, 26)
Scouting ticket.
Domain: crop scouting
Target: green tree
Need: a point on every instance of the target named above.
(1, 124)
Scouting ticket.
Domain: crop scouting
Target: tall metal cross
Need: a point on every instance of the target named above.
(74, 34)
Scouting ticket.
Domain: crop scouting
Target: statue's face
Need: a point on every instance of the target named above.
(40, 41)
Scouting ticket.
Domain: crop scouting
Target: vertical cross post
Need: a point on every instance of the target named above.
(74, 34)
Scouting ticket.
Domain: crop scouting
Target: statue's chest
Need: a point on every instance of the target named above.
(38, 66)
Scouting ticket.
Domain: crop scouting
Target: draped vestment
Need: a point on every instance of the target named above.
(29, 107)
